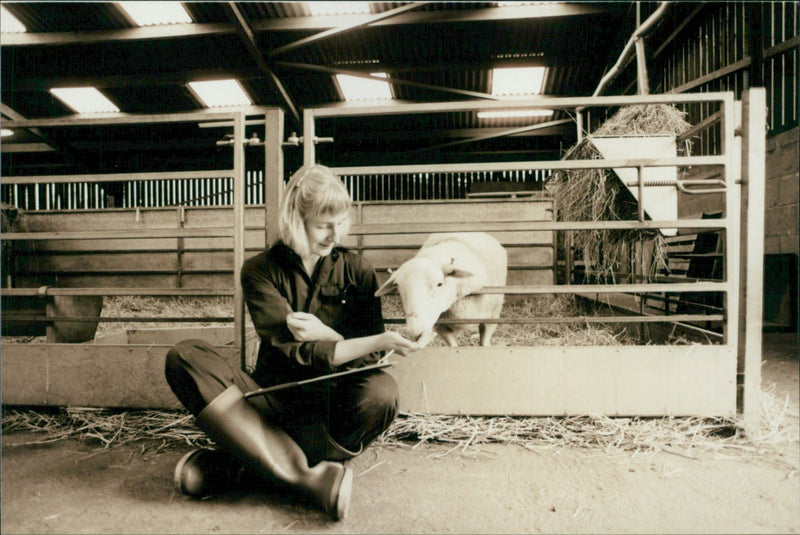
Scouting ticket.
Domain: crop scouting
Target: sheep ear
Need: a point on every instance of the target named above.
(450, 270)
(387, 286)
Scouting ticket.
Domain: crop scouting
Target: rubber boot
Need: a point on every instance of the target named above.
(312, 436)
(236, 426)
(206, 472)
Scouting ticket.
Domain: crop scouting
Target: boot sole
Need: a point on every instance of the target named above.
(345, 492)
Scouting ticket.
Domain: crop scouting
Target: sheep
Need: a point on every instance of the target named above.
(438, 280)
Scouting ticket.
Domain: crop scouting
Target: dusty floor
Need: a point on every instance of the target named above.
(69, 487)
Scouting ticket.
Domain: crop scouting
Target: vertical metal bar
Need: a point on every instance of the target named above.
(238, 236)
(731, 221)
(309, 156)
(640, 187)
(273, 171)
(753, 130)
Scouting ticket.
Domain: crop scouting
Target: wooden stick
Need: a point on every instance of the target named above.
(293, 384)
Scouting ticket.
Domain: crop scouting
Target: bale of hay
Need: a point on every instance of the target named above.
(600, 195)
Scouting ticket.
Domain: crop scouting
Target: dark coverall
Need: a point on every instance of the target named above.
(352, 410)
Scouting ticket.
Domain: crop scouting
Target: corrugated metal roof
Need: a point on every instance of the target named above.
(443, 51)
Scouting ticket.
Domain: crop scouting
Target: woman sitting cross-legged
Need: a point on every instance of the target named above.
(312, 303)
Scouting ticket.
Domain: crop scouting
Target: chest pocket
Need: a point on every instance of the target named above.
(342, 308)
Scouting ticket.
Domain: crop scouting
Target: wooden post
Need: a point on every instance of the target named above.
(641, 67)
(754, 121)
(273, 171)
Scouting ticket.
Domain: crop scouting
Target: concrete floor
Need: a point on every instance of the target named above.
(72, 487)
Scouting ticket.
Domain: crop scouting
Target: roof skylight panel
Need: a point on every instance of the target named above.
(338, 8)
(517, 81)
(220, 93)
(156, 13)
(360, 89)
(84, 99)
(9, 23)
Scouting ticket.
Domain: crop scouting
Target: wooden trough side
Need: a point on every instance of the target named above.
(89, 375)
(530, 381)
(544, 381)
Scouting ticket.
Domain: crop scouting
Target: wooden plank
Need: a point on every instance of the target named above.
(447, 211)
(544, 381)
(415, 241)
(89, 375)
(517, 256)
(145, 218)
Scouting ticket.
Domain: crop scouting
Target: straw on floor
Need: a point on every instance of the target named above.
(162, 430)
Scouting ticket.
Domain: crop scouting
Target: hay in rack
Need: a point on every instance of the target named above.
(599, 195)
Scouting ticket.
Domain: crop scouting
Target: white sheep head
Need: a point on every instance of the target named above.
(427, 289)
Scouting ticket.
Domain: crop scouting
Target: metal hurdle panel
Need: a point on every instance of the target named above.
(645, 380)
(129, 375)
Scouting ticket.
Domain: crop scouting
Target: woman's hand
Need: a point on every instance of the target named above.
(391, 340)
(307, 327)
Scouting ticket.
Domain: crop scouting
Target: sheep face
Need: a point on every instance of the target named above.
(427, 289)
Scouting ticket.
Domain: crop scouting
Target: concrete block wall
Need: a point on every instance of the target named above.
(782, 198)
(781, 195)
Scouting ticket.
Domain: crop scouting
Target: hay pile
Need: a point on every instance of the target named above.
(599, 195)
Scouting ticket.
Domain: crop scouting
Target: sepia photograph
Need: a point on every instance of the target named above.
(399, 267)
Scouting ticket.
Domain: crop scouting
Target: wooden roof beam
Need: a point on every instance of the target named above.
(394, 81)
(246, 33)
(345, 28)
(173, 31)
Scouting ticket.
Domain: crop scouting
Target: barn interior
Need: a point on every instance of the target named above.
(154, 196)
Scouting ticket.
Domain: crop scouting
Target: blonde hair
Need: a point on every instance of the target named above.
(313, 191)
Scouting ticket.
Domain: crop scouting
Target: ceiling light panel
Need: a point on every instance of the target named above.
(220, 93)
(504, 114)
(156, 13)
(84, 99)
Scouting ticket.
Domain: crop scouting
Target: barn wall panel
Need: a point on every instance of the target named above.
(208, 261)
